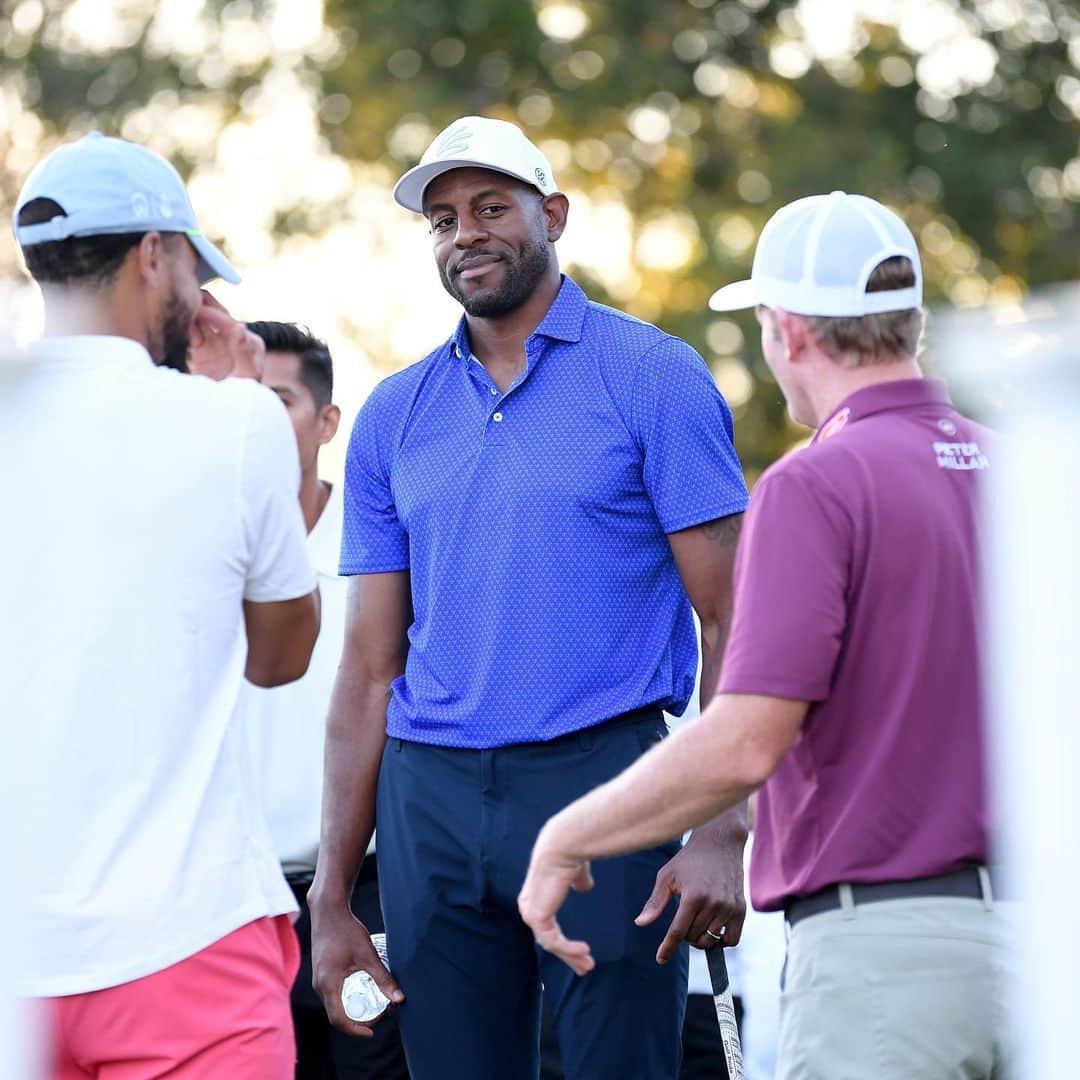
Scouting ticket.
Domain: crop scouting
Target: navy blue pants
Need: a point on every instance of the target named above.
(456, 828)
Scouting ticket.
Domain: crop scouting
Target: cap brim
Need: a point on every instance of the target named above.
(409, 190)
(212, 263)
(735, 297)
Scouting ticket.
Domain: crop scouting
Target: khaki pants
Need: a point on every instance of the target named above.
(896, 990)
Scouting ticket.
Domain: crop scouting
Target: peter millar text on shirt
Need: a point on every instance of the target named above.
(533, 524)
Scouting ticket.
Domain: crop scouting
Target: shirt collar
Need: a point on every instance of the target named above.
(324, 541)
(95, 348)
(883, 397)
(566, 315)
(563, 321)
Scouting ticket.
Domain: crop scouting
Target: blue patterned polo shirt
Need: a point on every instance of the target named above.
(534, 524)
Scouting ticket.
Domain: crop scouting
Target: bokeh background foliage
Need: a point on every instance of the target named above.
(677, 127)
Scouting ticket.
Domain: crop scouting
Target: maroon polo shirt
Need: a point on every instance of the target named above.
(856, 589)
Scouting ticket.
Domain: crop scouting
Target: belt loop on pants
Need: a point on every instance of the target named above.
(847, 900)
(987, 888)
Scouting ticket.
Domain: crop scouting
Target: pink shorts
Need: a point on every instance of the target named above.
(222, 1014)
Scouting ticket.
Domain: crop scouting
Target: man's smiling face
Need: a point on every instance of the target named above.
(490, 239)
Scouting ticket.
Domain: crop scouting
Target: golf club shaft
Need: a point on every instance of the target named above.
(725, 1012)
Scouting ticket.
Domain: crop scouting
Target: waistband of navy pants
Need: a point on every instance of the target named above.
(975, 882)
(586, 734)
(626, 719)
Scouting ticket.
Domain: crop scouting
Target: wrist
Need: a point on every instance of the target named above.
(726, 832)
(550, 843)
(325, 895)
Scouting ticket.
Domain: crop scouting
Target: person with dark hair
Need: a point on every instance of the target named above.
(850, 687)
(532, 514)
(286, 724)
(306, 358)
(158, 557)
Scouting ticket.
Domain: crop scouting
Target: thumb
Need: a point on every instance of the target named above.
(584, 880)
(661, 894)
(385, 981)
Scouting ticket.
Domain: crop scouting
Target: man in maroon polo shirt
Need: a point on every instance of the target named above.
(850, 685)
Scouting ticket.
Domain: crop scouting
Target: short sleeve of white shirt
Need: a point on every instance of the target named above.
(279, 567)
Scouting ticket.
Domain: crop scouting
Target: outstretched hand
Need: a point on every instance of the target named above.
(549, 881)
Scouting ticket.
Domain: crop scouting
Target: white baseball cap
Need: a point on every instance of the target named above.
(107, 186)
(478, 142)
(814, 257)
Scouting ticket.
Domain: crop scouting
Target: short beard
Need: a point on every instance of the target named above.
(518, 283)
(175, 336)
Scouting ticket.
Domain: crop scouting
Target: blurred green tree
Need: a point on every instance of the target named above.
(699, 117)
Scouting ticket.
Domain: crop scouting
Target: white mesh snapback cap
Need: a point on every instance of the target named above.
(477, 142)
(107, 186)
(814, 257)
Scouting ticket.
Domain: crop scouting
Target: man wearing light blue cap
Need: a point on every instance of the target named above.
(94, 201)
(158, 557)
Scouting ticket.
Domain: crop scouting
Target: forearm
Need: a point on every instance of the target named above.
(281, 636)
(702, 770)
(355, 738)
(714, 635)
(729, 826)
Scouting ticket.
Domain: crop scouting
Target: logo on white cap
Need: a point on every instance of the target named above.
(455, 141)
(481, 142)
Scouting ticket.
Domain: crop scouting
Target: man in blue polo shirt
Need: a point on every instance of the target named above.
(531, 512)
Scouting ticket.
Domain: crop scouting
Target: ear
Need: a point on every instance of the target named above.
(328, 423)
(150, 258)
(555, 209)
(794, 331)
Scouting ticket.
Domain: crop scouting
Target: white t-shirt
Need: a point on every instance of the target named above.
(287, 724)
(141, 507)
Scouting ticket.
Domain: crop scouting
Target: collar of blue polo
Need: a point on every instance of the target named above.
(562, 322)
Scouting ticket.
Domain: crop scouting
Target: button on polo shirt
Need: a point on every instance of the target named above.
(533, 524)
(856, 590)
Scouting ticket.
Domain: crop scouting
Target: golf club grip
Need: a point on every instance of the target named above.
(725, 1013)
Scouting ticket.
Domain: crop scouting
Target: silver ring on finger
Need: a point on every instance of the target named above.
(716, 937)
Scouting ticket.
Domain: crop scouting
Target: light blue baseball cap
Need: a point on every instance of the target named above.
(108, 186)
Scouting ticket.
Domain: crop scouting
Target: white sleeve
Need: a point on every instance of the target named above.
(278, 565)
